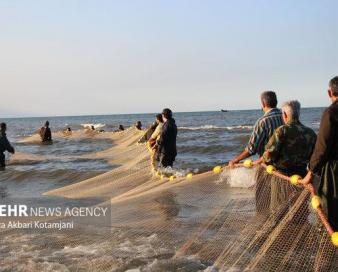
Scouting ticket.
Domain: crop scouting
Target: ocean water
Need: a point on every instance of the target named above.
(204, 139)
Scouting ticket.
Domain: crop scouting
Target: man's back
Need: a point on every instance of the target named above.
(327, 138)
(263, 130)
(167, 141)
(45, 134)
(290, 148)
(4, 143)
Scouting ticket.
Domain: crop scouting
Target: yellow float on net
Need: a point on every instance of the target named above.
(189, 176)
(162, 176)
(172, 178)
(217, 169)
(294, 179)
(248, 163)
(270, 169)
(157, 173)
(315, 202)
(334, 238)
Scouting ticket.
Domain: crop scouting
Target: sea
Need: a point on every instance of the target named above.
(205, 139)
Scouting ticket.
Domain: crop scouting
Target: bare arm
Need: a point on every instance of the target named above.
(255, 138)
(245, 154)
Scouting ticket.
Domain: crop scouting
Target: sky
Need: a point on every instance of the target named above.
(109, 57)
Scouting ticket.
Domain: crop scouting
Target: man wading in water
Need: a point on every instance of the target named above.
(4, 146)
(45, 133)
(166, 145)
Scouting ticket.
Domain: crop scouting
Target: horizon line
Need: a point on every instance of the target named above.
(138, 113)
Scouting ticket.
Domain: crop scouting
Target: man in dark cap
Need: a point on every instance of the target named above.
(4, 146)
(166, 145)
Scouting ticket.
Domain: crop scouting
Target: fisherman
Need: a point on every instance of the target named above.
(166, 144)
(45, 133)
(324, 160)
(156, 134)
(262, 132)
(67, 132)
(138, 125)
(4, 146)
(121, 128)
(264, 127)
(291, 145)
(146, 136)
(289, 150)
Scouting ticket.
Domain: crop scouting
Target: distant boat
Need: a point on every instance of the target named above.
(224, 110)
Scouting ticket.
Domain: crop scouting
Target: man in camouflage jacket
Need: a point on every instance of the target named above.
(291, 146)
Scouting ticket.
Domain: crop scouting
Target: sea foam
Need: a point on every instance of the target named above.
(239, 177)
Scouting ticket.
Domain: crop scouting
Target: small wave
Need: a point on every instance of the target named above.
(212, 127)
(96, 126)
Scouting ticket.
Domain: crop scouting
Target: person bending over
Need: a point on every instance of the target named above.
(166, 145)
(4, 146)
(264, 127)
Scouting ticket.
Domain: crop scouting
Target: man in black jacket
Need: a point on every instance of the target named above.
(324, 160)
(46, 134)
(4, 146)
(167, 143)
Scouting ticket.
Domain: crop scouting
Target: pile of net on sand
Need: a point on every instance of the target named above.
(212, 222)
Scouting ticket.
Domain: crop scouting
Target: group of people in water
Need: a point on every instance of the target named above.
(162, 138)
(44, 132)
(278, 138)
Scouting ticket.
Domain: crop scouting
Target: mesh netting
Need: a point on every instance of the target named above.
(215, 222)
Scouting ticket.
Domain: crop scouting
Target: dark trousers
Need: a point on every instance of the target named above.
(2, 161)
(328, 192)
(167, 160)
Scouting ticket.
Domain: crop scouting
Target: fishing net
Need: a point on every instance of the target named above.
(241, 219)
